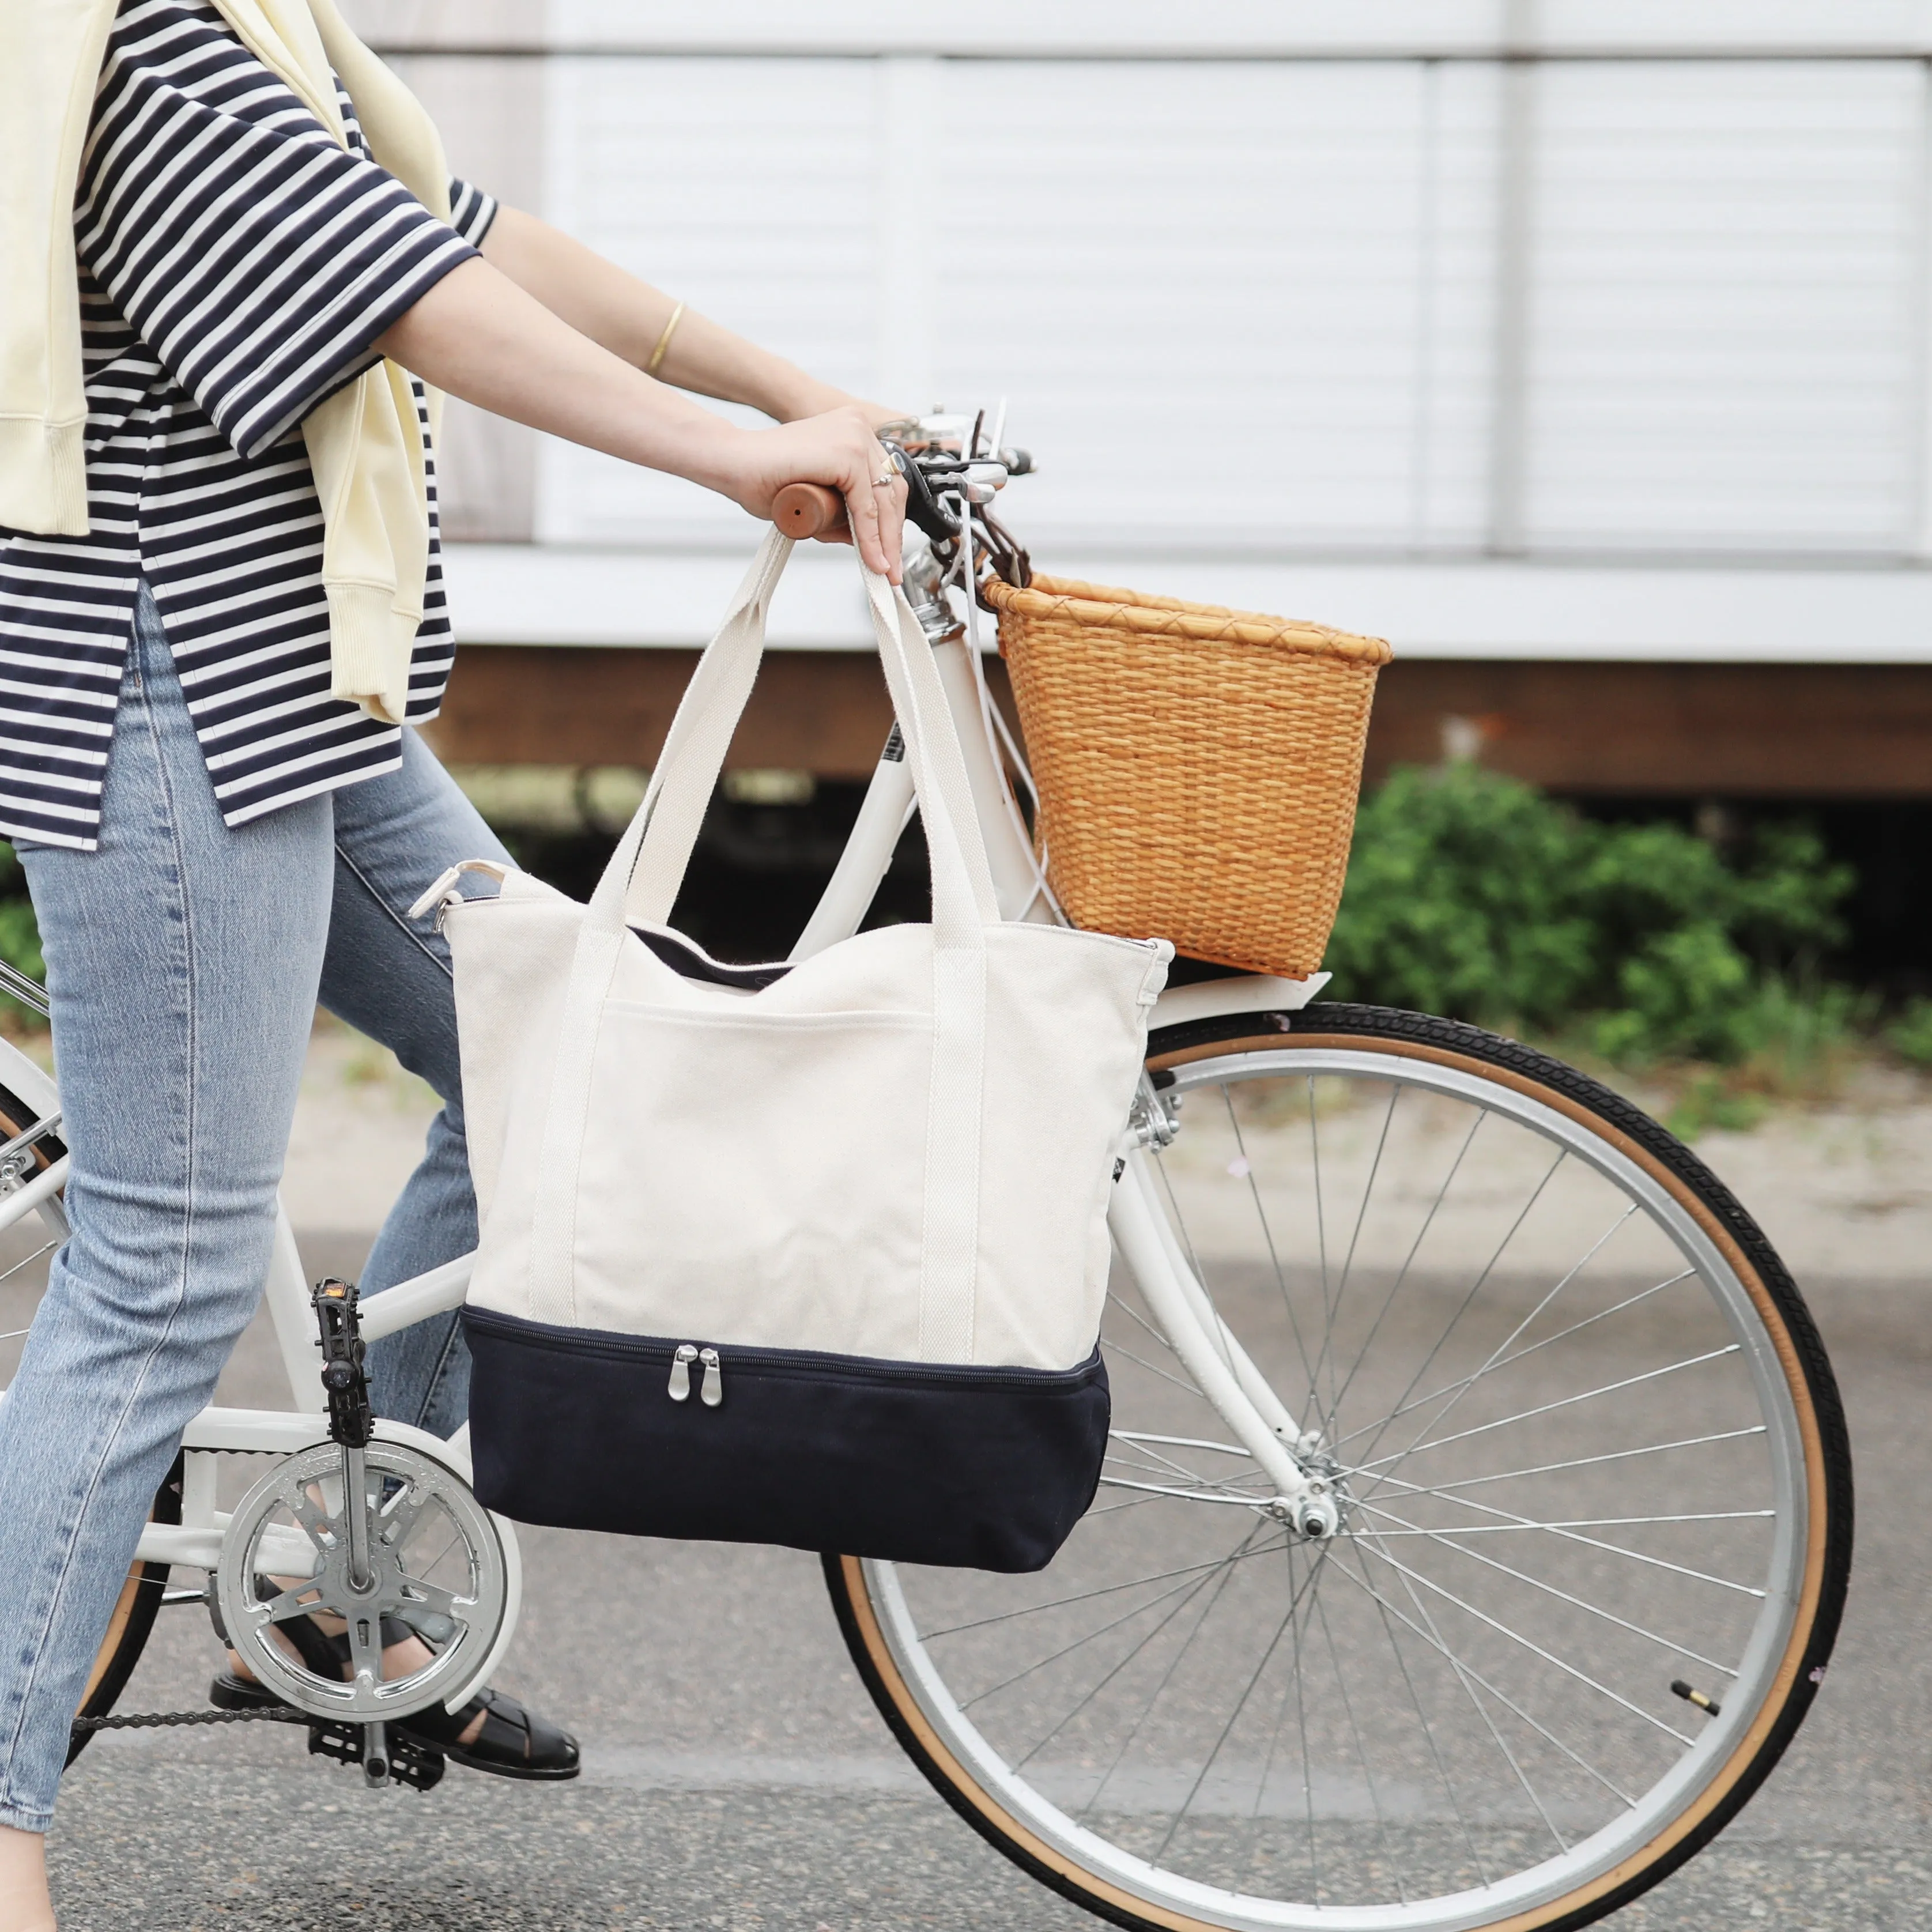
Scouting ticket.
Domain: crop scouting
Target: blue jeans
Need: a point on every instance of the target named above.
(185, 960)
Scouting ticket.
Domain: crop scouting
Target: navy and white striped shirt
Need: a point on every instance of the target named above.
(236, 264)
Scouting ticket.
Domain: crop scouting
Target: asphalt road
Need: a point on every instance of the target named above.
(736, 1775)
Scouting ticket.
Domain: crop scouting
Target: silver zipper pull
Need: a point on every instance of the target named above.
(710, 1378)
(680, 1372)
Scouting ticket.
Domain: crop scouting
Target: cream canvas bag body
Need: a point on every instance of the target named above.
(813, 1255)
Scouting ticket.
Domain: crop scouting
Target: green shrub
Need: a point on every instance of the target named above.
(1473, 894)
(20, 933)
(1910, 1035)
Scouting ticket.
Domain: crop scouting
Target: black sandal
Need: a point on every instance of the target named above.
(513, 1741)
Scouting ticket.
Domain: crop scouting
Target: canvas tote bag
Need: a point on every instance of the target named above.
(811, 1255)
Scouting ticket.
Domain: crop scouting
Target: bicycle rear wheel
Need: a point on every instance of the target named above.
(1587, 1446)
(25, 1093)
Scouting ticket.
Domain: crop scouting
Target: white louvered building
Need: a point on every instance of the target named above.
(1581, 332)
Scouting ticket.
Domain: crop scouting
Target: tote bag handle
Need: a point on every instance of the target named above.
(641, 882)
(640, 886)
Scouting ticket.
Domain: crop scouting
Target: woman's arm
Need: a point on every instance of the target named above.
(628, 316)
(479, 336)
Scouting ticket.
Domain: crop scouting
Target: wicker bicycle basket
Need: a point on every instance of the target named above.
(1197, 767)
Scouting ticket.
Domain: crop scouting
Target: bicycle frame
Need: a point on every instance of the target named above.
(1231, 1381)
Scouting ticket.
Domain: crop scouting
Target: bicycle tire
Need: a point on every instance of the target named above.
(130, 1625)
(855, 1587)
(132, 1618)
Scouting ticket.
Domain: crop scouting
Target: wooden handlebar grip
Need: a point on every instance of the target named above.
(803, 510)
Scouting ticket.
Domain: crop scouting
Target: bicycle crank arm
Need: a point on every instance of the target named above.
(1215, 1361)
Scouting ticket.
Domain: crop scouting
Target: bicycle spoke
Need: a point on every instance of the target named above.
(1549, 1408)
(1204, 1496)
(1596, 1543)
(1476, 1286)
(1157, 1463)
(1177, 1441)
(1147, 1710)
(1320, 1249)
(1428, 1732)
(1307, 1764)
(1408, 1259)
(1581, 1522)
(1502, 1697)
(1580, 1462)
(1114, 1509)
(1497, 1361)
(1183, 1590)
(1588, 1256)
(1361, 1749)
(1467, 1678)
(45, 1248)
(1561, 1335)
(1133, 1314)
(1241, 1703)
(1368, 1191)
(1187, 1388)
(1550, 1589)
(1267, 1233)
(1354, 1239)
(1193, 1590)
(1529, 1644)
(1086, 1596)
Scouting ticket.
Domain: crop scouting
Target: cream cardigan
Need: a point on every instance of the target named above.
(364, 445)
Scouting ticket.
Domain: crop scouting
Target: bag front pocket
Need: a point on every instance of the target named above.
(767, 1172)
(980, 1468)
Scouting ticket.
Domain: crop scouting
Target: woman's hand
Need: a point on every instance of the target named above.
(839, 450)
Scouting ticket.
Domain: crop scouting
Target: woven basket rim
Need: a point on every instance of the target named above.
(1108, 606)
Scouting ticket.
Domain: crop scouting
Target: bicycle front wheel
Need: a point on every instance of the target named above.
(1596, 1517)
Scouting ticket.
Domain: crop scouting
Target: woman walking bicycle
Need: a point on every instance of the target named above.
(220, 611)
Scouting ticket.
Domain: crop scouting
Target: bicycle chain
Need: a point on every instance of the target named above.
(150, 1720)
(418, 1765)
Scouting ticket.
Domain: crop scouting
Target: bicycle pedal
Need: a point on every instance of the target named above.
(418, 1765)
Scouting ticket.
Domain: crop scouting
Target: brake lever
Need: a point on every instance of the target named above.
(922, 508)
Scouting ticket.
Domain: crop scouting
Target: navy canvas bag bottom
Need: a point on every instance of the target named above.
(983, 1469)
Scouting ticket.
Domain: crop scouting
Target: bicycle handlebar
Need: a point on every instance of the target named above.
(806, 510)
(949, 480)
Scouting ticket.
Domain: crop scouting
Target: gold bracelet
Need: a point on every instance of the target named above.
(664, 340)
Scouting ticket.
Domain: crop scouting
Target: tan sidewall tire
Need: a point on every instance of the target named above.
(134, 1614)
(1793, 1684)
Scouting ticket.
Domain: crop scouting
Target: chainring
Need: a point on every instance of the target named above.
(436, 1564)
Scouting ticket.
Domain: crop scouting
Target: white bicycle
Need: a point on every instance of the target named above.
(1477, 1516)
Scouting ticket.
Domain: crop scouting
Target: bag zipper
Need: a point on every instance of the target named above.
(710, 1375)
(793, 1364)
(680, 1372)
